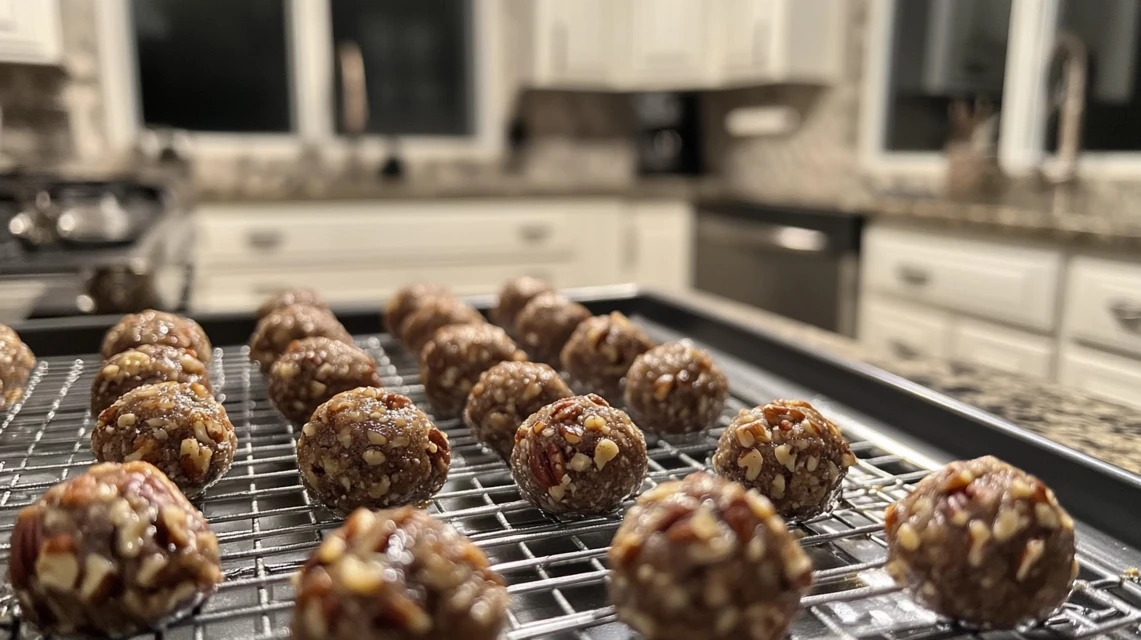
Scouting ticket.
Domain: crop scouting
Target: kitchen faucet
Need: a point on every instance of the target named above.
(1071, 108)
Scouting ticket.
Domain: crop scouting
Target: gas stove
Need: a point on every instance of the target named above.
(72, 247)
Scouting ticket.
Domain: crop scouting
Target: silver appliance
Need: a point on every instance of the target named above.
(799, 263)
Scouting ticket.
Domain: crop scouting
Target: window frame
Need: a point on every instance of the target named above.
(311, 50)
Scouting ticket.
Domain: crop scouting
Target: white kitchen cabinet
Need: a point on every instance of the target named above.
(1105, 375)
(779, 40)
(670, 43)
(903, 330)
(658, 251)
(1103, 303)
(1002, 348)
(30, 32)
(575, 43)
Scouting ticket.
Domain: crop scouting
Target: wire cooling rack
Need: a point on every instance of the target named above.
(555, 567)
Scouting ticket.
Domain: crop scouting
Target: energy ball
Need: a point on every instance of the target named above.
(398, 573)
(145, 364)
(984, 542)
(789, 453)
(275, 332)
(16, 364)
(452, 362)
(578, 455)
(157, 327)
(179, 428)
(515, 295)
(600, 352)
(284, 298)
(407, 300)
(545, 325)
(313, 370)
(422, 324)
(505, 396)
(704, 558)
(113, 552)
(369, 448)
(675, 388)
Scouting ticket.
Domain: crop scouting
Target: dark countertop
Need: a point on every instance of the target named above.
(1102, 429)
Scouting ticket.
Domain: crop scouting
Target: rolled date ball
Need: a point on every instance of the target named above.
(578, 455)
(436, 313)
(300, 295)
(675, 388)
(600, 352)
(157, 327)
(452, 362)
(545, 325)
(789, 453)
(145, 364)
(16, 364)
(704, 558)
(113, 552)
(407, 300)
(505, 396)
(370, 448)
(983, 542)
(313, 370)
(179, 428)
(398, 573)
(515, 295)
(275, 332)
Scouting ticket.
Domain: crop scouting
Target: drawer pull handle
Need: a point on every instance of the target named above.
(534, 232)
(913, 275)
(264, 239)
(902, 351)
(1128, 314)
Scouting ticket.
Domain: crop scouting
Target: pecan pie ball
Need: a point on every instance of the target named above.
(157, 327)
(398, 573)
(286, 297)
(452, 362)
(16, 364)
(180, 428)
(145, 364)
(789, 453)
(313, 370)
(545, 325)
(369, 448)
(408, 299)
(113, 552)
(275, 332)
(984, 542)
(515, 295)
(422, 324)
(675, 388)
(505, 396)
(704, 558)
(600, 352)
(578, 455)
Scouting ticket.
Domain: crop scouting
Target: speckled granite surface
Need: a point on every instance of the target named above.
(1102, 429)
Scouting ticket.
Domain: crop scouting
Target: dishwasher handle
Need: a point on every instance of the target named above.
(762, 235)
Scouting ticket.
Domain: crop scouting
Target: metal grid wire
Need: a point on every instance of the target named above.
(555, 567)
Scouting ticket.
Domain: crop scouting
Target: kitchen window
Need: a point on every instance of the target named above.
(267, 73)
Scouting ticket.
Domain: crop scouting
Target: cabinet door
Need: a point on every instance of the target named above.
(1102, 374)
(1002, 348)
(659, 245)
(30, 31)
(746, 28)
(577, 42)
(901, 330)
(670, 42)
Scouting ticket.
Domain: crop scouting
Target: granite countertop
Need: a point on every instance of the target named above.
(1102, 429)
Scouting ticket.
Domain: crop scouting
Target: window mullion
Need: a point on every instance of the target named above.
(311, 44)
(1033, 29)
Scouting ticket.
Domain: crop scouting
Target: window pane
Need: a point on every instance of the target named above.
(213, 65)
(417, 56)
(942, 50)
(1110, 30)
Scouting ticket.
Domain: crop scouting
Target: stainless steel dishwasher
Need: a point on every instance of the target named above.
(799, 263)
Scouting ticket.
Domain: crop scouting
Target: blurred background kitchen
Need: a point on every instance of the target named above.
(947, 179)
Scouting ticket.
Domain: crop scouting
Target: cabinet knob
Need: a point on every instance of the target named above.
(534, 233)
(264, 239)
(913, 275)
(902, 351)
(1128, 314)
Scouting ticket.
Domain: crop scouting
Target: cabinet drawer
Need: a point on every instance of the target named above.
(1002, 348)
(992, 280)
(902, 330)
(1103, 303)
(1105, 375)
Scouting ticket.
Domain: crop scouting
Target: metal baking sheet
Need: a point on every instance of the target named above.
(555, 567)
